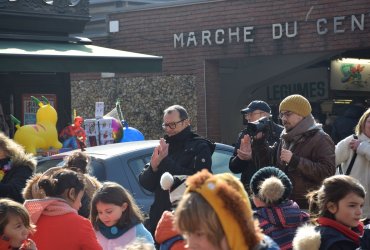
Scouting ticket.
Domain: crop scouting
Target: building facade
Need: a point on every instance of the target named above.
(220, 55)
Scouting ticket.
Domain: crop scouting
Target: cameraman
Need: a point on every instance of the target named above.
(259, 113)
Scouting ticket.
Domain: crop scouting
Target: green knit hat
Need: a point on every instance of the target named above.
(297, 104)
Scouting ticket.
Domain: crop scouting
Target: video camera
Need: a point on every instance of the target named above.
(262, 125)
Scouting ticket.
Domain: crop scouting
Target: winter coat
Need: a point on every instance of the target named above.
(310, 237)
(165, 231)
(59, 227)
(313, 157)
(266, 244)
(187, 154)
(361, 166)
(137, 231)
(13, 182)
(281, 222)
(32, 191)
(344, 126)
(248, 168)
(365, 239)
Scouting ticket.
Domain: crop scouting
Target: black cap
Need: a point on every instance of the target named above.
(256, 105)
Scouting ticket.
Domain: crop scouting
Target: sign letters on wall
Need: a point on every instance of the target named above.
(245, 34)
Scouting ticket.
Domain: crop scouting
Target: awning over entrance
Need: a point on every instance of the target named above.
(72, 57)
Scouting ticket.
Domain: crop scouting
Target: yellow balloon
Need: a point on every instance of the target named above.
(43, 134)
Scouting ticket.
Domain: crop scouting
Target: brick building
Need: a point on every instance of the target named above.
(230, 52)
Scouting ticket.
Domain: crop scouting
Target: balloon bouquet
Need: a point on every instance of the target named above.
(121, 130)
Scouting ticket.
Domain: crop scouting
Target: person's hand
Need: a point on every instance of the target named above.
(354, 143)
(28, 245)
(245, 151)
(159, 153)
(286, 156)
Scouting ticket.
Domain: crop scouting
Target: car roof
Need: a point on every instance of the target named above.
(109, 150)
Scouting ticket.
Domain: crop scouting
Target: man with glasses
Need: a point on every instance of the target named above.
(180, 152)
(305, 152)
(242, 161)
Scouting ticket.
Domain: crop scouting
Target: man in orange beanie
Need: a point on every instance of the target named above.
(305, 152)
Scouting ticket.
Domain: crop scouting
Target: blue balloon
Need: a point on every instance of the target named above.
(131, 134)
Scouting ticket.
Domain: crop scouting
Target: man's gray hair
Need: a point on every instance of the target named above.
(182, 111)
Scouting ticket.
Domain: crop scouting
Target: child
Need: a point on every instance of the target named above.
(166, 235)
(338, 206)
(278, 216)
(215, 213)
(116, 217)
(15, 226)
(78, 162)
(59, 227)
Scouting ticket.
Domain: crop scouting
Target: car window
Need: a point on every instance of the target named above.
(97, 169)
(220, 162)
(136, 166)
(42, 166)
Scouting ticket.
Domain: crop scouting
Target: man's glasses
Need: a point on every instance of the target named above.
(172, 125)
(286, 114)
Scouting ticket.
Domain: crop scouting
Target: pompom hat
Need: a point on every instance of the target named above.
(175, 185)
(297, 104)
(226, 195)
(271, 185)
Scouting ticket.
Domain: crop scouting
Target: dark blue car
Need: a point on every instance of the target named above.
(122, 163)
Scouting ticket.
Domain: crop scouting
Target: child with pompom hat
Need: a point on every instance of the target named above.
(215, 213)
(279, 217)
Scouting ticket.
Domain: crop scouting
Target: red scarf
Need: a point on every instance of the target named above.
(353, 235)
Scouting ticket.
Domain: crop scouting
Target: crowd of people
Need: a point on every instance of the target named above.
(298, 190)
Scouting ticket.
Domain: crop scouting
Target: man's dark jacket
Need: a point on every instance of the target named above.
(344, 126)
(187, 154)
(248, 168)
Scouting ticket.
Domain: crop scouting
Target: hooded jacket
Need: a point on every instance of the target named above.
(310, 237)
(187, 154)
(281, 222)
(22, 167)
(165, 231)
(59, 227)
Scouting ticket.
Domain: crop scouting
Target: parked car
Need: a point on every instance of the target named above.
(123, 162)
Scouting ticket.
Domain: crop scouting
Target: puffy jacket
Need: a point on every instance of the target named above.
(166, 232)
(22, 167)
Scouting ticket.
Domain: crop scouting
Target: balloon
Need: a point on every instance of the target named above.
(117, 130)
(114, 124)
(131, 134)
(43, 134)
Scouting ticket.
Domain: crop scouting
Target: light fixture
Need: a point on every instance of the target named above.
(354, 60)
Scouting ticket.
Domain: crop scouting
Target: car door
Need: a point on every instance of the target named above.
(130, 166)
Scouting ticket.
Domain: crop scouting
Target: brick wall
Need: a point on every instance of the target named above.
(151, 31)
